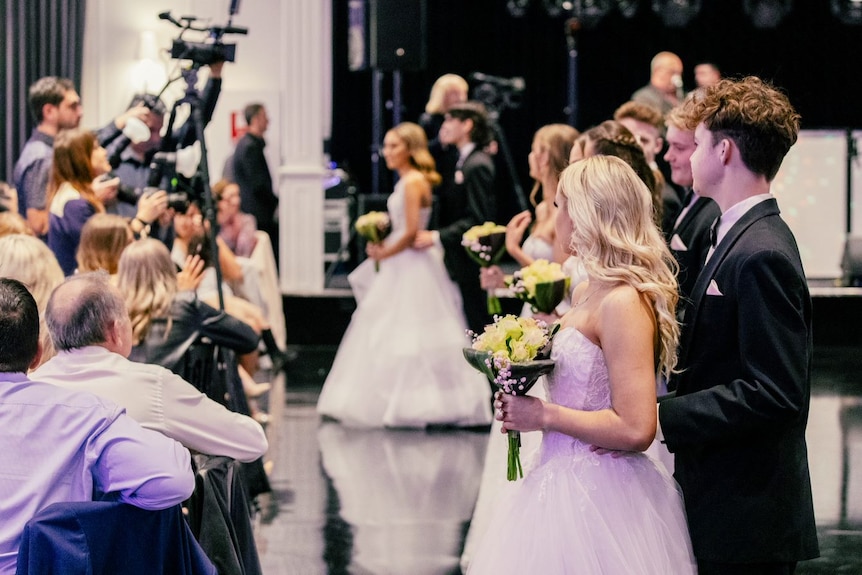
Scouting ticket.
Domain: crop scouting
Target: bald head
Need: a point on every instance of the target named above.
(664, 67)
(86, 310)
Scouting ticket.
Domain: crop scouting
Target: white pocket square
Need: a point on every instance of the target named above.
(712, 289)
(677, 244)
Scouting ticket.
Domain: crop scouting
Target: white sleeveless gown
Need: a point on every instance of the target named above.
(400, 362)
(580, 512)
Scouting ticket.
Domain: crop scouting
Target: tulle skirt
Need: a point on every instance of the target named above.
(400, 362)
(494, 486)
(588, 514)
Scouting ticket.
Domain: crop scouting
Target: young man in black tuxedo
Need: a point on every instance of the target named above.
(469, 201)
(736, 423)
(689, 232)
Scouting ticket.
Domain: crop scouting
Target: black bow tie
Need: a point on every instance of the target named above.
(713, 231)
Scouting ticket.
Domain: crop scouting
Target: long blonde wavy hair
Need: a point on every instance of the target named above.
(148, 280)
(617, 241)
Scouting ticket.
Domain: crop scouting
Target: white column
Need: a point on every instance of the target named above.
(305, 47)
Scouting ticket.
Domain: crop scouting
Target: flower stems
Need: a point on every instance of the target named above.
(494, 307)
(514, 469)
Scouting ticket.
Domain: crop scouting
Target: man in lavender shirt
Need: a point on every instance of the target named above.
(61, 446)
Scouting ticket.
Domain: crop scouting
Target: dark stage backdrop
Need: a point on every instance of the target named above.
(812, 55)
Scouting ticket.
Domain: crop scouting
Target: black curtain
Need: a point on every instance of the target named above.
(39, 38)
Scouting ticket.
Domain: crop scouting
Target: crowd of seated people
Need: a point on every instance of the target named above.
(128, 332)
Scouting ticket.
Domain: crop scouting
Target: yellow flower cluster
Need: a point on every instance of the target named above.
(540, 271)
(485, 229)
(513, 339)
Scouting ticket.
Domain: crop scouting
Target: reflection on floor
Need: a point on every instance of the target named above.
(399, 502)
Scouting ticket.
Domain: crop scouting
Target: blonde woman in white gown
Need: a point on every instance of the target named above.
(549, 155)
(580, 509)
(400, 362)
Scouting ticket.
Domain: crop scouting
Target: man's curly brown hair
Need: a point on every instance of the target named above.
(756, 116)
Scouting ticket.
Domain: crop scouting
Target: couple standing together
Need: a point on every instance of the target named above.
(736, 420)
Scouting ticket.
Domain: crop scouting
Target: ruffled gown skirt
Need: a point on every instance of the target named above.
(400, 362)
(582, 513)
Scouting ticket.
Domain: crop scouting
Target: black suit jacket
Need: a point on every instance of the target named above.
(693, 232)
(737, 421)
(469, 202)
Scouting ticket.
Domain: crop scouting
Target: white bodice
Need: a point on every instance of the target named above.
(579, 381)
(397, 215)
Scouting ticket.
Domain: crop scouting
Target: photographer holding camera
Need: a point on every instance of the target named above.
(132, 161)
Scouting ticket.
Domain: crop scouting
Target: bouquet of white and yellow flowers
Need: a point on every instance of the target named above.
(374, 227)
(541, 284)
(513, 353)
(486, 244)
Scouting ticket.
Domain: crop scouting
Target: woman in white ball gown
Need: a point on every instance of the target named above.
(400, 362)
(594, 503)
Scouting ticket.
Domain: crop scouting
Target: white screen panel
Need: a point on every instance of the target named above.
(811, 188)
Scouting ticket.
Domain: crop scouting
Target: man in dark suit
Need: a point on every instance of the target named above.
(736, 423)
(251, 173)
(468, 202)
(689, 233)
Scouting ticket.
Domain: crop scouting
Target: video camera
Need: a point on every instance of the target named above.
(208, 52)
(498, 93)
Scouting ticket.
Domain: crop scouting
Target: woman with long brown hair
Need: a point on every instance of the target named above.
(78, 189)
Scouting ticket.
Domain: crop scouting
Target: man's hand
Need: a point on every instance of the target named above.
(424, 239)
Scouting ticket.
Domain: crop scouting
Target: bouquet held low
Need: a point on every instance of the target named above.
(513, 353)
(374, 227)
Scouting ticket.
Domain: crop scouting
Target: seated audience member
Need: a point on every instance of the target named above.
(63, 446)
(239, 308)
(167, 317)
(91, 330)
(237, 229)
(13, 223)
(244, 299)
(103, 239)
(190, 224)
(27, 259)
(77, 191)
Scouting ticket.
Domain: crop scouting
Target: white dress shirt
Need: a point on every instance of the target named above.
(158, 399)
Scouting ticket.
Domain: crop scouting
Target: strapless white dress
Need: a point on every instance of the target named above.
(581, 512)
(400, 362)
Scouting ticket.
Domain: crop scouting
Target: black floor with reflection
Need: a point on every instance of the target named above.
(399, 502)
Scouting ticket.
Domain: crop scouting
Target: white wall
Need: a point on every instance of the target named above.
(284, 62)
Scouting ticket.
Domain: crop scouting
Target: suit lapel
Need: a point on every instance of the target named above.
(763, 209)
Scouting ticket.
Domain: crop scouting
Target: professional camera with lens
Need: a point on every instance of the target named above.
(203, 53)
